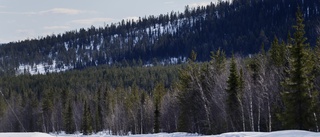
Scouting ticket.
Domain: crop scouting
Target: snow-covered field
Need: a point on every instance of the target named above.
(287, 133)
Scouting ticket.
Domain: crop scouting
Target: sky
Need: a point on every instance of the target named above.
(29, 19)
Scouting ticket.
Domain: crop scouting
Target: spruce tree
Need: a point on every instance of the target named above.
(277, 53)
(233, 97)
(99, 113)
(317, 57)
(299, 96)
(69, 122)
(158, 93)
(86, 126)
(186, 96)
(47, 108)
(218, 61)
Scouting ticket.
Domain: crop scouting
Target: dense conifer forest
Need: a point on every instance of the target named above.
(249, 65)
(241, 26)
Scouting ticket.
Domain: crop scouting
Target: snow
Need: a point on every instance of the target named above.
(66, 46)
(36, 134)
(285, 133)
(42, 68)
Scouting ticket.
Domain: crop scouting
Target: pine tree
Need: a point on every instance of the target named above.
(233, 97)
(86, 126)
(277, 53)
(47, 108)
(317, 57)
(69, 122)
(218, 61)
(299, 96)
(186, 96)
(99, 113)
(158, 93)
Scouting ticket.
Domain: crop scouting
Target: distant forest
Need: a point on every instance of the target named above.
(242, 26)
(249, 65)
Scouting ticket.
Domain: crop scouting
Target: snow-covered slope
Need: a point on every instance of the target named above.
(287, 133)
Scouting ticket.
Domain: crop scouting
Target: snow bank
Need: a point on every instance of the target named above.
(286, 133)
(24, 135)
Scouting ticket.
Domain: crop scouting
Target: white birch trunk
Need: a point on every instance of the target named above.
(243, 120)
(259, 115)
(251, 114)
(269, 117)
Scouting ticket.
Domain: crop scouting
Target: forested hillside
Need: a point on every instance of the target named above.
(241, 26)
(272, 90)
(267, 82)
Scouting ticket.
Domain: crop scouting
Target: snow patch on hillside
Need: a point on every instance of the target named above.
(42, 68)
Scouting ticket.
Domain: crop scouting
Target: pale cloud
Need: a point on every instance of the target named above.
(18, 13)
(62, 11)
(1, 6)
(56, 27)
(51, 11)
(91, 21)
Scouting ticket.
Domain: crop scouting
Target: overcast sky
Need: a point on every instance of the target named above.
(22, 19)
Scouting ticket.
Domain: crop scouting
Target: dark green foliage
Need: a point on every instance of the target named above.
(86, 126)
(277, 53)
(317, 57)
(218, 61)
(68, 119)
(99, 113)
(254, 68)
(158, 94)
(157, 120)
(299, 96)
(233, 97)
(47, 110)
(236, 26)
(3, 106)
(69, 122)
(241, 82)
(186, 95)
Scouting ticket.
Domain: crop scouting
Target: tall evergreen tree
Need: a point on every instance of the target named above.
(67, 113)
(317, 57)
(299, 96)
(218, 61)
(186, 96)
(158, 93)
(277, 53)
(99, 113)
(86, 126)
(69, 122)
(233, 97)
(47, 108)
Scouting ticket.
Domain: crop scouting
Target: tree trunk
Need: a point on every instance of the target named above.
(243, 119)
(251, 114)
(269, 117)
(259, 115)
